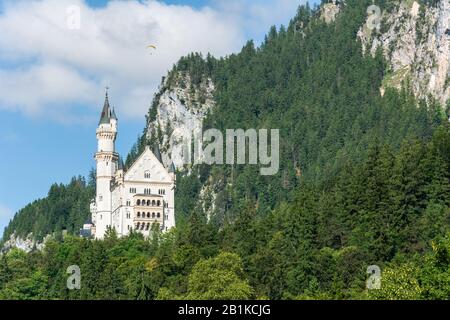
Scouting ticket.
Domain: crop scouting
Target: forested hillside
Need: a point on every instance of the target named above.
(391, 210)
(66, 207)
(364, 180)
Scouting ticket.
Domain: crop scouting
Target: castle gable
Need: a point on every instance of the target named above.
(147, 164)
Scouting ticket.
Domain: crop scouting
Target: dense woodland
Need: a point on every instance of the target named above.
(364, 180)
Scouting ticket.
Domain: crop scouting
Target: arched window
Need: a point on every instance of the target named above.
(142, 226)
(137, 226)
(138, 202)
(153, 203)
(148, 226)
(148, 203)
(138, 214)
(153, 214)
(143, 202)
(159, 215)
(158, 203)
(148, 214)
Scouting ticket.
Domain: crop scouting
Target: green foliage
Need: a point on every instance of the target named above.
(218, 278)
(363, 180)
(66, 207)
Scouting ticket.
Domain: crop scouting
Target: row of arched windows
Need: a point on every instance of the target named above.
(141, 226)
(153, 215)
(144, 202)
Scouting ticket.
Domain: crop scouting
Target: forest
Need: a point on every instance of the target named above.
(364, 180)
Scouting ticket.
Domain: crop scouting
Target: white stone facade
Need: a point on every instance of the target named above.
(129, 199)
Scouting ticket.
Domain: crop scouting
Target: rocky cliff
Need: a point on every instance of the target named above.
(414, 38)
(181, 108)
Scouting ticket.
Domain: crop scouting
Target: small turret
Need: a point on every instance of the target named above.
(172, 171)
(172, 168)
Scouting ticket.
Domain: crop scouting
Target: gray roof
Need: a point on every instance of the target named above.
(85, 233)
(157, 153)
(172, 168)
(106, 112)
(113, 114)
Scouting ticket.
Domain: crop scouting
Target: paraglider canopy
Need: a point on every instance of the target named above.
(151, 46)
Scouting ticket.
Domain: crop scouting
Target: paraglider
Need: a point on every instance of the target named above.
(151, 46)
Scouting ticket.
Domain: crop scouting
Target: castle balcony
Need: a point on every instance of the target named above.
(146, 201)
(148, 209)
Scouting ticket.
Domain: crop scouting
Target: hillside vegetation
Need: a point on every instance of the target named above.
(364, 180)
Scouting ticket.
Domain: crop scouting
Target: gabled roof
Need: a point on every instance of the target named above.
(148, 151)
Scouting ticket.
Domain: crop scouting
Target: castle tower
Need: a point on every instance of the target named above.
(107, 165)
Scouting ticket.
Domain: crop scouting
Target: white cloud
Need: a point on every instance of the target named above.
(48, 69)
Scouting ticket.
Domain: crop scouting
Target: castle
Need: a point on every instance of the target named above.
(131, 198)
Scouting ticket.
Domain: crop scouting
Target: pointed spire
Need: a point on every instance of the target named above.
(157, 153)
(172, 168)
(121, 164)
(113, 114)
(106, 112)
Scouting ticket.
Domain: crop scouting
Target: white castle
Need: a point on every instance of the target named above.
(129, 199)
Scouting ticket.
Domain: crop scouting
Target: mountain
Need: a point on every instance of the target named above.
(320, 84)
(364, 174)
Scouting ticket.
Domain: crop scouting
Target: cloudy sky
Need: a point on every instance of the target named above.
(57, 56)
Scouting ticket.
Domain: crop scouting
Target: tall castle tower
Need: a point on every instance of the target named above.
(107, 164)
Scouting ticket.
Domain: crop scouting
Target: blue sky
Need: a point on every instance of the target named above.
(52, 81)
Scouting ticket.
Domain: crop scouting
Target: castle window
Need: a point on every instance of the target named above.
(142, 226)
(137, 226)
(147, 191)
(138, 202)
(148, 214)
(147, 175)
(128, 215)
(132, 190)
(148, 202)
(153, 214)
(159, 215)
(158, 203)
(153, 203)
(128, 203)
(148, 226)
(138, 214)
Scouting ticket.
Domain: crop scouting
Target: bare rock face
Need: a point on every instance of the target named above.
(181, 108)
(414, 40)
(26, 244)
(330, 10)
